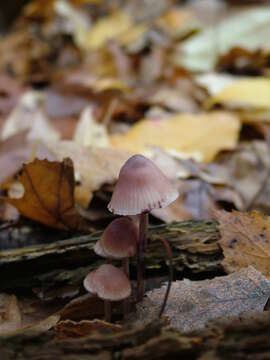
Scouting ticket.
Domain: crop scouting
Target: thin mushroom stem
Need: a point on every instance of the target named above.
(169, 254)
(142, 244)
(108, 310)
(125, 264)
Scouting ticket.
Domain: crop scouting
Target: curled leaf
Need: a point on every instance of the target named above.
(48, 194)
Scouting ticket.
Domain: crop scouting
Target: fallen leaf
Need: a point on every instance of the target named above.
(74, 19)
(248, 29)
(58, 105)
(30, 115)
(198, 200)
(245, 240)
(82, 81)
(94, 167)
(192, 304)
(176, 21)
(89, 132)
(243, 62)
(246, 170)
(185, 133)
(16, 150)
(243, 94)
(177, 100)
(48, 194)
(215, 82)
(109, 27)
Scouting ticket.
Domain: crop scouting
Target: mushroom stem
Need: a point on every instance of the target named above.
(125, 264)
(108, 310)
(169, 254)
(140, 254)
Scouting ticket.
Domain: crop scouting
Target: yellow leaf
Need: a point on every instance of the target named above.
(133, 34)
(247, 93)
(185, 133)
(109, 27)
(109, 84)
(175, 20)
(244, 240)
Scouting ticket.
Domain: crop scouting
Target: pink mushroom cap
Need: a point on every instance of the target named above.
(141, 187)
(119, 240)
(108, 283)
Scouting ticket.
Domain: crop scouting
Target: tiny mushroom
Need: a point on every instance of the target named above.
(141, 187)
(119, 241)
(108, 283)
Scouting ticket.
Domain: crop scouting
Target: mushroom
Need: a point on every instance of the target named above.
(108, 283)
(119, 241)
(141, 187)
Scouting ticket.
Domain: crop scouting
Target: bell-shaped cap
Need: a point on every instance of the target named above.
(141, 187)
(119, 240)
(108, 283)
(98, 249)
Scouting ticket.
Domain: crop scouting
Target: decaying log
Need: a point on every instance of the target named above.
(194, 246)
(237, 339)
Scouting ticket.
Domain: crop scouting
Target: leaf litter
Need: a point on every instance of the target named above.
(121, 80)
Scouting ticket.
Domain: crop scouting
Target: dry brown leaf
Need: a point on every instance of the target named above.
(185, 133)
(192, 304)
(48, 194)
(245, 240)
(93, 166)
(246, 170)
(198, 200)
(201, 191)
(242, 61)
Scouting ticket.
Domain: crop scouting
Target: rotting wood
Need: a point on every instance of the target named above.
(194, 247)
(245, 338)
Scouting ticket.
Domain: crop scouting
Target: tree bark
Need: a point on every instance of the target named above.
(195, 251)
(238, 339)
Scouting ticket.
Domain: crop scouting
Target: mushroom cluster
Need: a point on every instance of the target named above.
(141, 187)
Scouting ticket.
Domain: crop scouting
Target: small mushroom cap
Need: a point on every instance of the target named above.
(119, 240)
(108, 282)
(89, 282)
(141, 187)
(99, 250)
